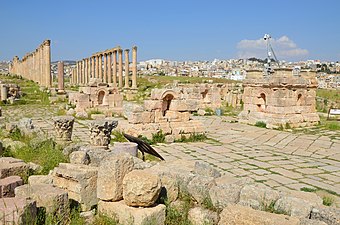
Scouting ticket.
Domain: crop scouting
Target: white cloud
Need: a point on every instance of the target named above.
(284, 48)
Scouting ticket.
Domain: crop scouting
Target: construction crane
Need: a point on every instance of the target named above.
(270, 54)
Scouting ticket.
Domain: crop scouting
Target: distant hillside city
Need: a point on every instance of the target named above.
(328, 73)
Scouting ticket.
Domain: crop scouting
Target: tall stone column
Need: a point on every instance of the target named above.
(114, 69)
(92, 67)
(41, 66)
(100, 67)
(109, 68)
(120, 68)
(97, 66)
(88, 63)
(134, 67)
(61, 77)
(126, 85)
(78, 72)
(105, 68)
(82, 71)
(47, 63)
(4, 91)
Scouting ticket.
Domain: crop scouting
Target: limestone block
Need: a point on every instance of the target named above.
(12, 167)
(79, 157)
(293, 206)
(242, 215)
(159, 117)
(80, 181)
(111, 173)
(184, 105)
(17, 210)
(139, 164)
(330, 216)
(310, 197)
(201, 216)
(258, 196)
(129, 108)
(96, 154)
(227, 190)
(97, 116)
(141, 188)
(40, 179)
(165, 127)
(133, 215)
(8, 184)
(53, 199)
(170, 188)
(199, 188)
(305, 221)
(135, 117)
(205, 169)
(150, 105)
(148, 117)
(125, 147)
(184, 116)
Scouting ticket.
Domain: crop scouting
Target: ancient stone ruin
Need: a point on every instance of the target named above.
(35, 66)
(10, 92)
(283, 99)
(104, 67)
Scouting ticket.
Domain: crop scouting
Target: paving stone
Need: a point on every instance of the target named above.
(287, 173)
(310, 171)
(280, 179)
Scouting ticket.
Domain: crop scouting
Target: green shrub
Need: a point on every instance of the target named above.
(261, 124)
(118, 137)
(327, 200)
(193, 138)
(306, 189)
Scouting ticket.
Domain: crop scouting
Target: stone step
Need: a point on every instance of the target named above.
(8, 184)
(12, 167)
(17, 211)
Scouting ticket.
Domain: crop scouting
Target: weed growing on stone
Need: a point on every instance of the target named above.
(327, 200)
(192, 138)
(117, 137)
(261, 124)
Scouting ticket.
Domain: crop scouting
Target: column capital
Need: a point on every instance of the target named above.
(127, 50)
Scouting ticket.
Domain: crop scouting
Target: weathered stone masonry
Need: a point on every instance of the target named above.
(35, 65)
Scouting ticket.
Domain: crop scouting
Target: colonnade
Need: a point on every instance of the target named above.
(35, 65)
(105, 67)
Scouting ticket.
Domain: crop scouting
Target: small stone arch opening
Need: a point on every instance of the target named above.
(166, 103)
(204, 94)
(261, 107)
(299, 100)
(101, 95)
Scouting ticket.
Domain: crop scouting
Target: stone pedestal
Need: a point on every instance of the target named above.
(100, 132)
(125, 147)
(63, 126)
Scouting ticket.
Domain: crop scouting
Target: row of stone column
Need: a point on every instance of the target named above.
(35, 66)
(104, 66)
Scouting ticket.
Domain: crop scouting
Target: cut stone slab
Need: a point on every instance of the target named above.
(305, 221)
(111, 173)
(132, 215)
(258, 196)
(40, 179)
(227, 190)
(17, 211)
(80, 181)
(243, 215)
(205, 169)
(199, 188)
(293, 206)
(79, 157)
(200, 216)
(141, 188)
(53, 199)
(329, 215)
(12, 167)
(8, 184)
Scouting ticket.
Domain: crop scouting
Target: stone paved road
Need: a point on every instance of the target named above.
(278, 159)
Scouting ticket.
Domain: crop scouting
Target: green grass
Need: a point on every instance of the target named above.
(118, 137)
(331, 125)
(328, 200)
(332, 95)
(193, 138)
(261, 124)
(47, 154)
(158, 137)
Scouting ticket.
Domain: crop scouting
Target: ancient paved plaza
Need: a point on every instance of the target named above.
(276, 158)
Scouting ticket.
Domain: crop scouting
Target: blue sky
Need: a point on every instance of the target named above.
(173, 29)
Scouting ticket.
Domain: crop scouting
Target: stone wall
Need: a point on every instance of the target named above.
(35, 65)
(282, 99)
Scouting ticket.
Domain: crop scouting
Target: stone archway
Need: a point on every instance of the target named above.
(101, 95)
(166, 102)
(299, 100)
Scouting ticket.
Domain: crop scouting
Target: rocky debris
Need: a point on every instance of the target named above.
(72, 148)
(26, 127)
(96, 154)
(330, 216)
(139, 164)
(199, 188)
(227, 190)
(200, 216)
(17, 211)
(40, 179)
(82, 115)
(243, 215)
(70, 112)
(258, 196)
(53, 199)
(8, 184)
(80, 181)
(14, 145)
(205, 169)
(141, 188)
(12, 167)
(111, 173)
(88, 216)
(125, 147)
(133, 215)
(305, 221)
(79, 157)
